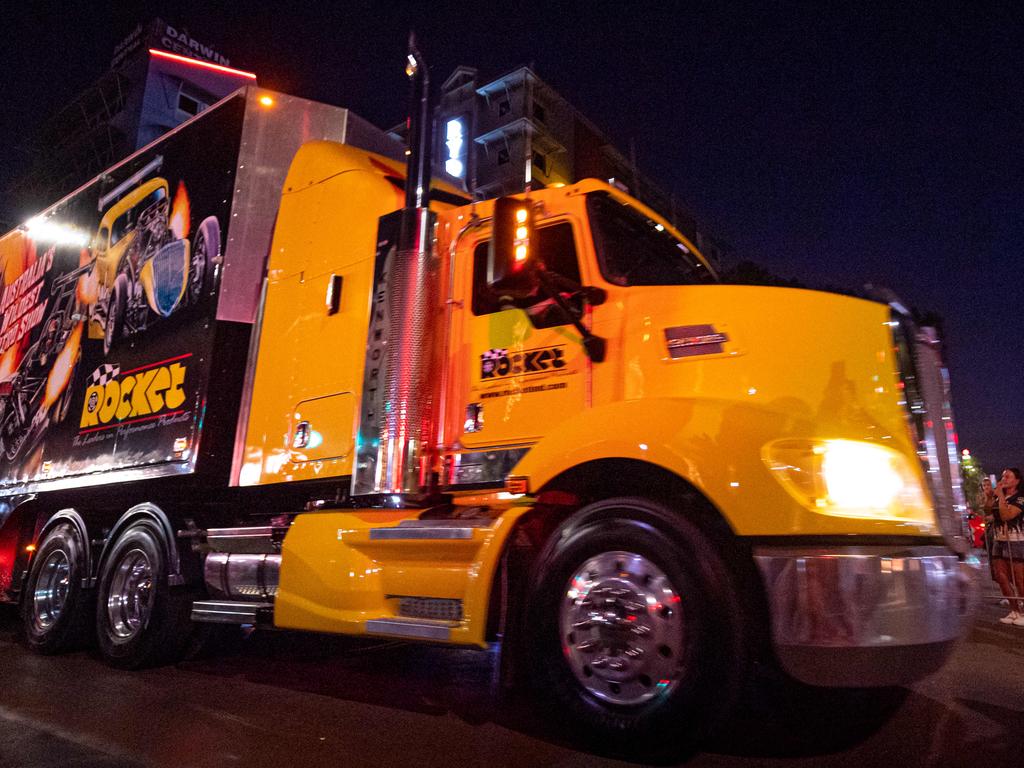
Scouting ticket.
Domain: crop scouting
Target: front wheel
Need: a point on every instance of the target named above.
(140, 620)
(639, 631)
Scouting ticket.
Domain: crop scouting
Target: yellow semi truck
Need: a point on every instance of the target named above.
(541, 420)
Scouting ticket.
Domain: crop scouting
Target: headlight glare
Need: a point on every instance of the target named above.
(849, 478)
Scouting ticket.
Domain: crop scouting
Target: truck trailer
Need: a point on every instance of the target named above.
(263, 373)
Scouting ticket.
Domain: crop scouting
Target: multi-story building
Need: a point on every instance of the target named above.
(505, 135)
(159, 76)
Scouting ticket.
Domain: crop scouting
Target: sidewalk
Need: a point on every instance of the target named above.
(991, 609)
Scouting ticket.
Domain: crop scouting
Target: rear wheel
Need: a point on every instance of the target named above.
(204, 255)
(639, 631)
(54, 606)
(140, 620)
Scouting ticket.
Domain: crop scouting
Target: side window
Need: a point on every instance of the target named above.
(101, 240)
(555, 247)
(122, 225)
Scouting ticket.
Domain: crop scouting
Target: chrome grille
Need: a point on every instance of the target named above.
(926, 398)
(430, 608)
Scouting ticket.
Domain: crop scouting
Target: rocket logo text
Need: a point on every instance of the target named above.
(143, 393)
(495, 363)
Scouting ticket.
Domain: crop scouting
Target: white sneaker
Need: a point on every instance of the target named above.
(1004, 601)
(1011, 618)
(1019, 621)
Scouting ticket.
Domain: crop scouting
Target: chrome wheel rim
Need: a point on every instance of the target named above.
(130, 601)
(622, 629)
(52, 588)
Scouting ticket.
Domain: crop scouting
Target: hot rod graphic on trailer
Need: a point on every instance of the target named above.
(144, 265)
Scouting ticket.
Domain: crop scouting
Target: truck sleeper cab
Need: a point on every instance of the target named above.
(640, 480)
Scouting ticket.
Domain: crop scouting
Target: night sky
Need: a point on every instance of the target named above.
(837, 147)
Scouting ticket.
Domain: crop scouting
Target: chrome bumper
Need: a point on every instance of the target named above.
(866, 616)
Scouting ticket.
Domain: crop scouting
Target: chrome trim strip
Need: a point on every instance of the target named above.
(419, 533)
(228, 612)
(420, 628)
(103, 477)
(840, 614)
(478, 467)
(263, 531)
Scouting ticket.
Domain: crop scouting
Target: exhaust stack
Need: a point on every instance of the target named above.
(398, 416)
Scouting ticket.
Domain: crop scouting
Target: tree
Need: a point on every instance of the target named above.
(973, 474)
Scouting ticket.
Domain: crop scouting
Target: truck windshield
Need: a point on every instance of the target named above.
(634, 250)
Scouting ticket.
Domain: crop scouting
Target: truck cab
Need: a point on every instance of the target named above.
(539, 421)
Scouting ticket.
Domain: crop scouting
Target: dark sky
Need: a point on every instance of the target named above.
(840, 146)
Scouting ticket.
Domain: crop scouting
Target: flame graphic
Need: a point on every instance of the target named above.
(60, 373)
(181, 213)
(9, 362)
(88, 289)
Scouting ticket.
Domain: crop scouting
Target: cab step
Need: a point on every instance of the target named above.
(420, 629)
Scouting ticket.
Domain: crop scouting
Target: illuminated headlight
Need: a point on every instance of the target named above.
(850, 478)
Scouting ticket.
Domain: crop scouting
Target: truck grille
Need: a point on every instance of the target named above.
(430, 608)
(926, 398)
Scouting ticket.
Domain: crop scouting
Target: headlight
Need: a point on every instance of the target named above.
(850, 478)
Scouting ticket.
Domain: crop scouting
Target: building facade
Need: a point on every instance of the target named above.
(516, 132)
(159, 77)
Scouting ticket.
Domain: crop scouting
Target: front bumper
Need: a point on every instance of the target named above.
(866, 616)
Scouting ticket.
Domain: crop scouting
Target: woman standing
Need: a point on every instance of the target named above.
(1006, 505)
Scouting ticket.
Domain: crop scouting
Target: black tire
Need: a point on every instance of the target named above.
(140, 620)
(11, 437)
(205, 253)
(699, 649)
(116, 304)
(55, 609)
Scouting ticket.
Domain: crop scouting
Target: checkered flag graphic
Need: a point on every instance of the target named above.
(489, 359)
(103, 374)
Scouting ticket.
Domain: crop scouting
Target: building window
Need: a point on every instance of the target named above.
(504, 107)
(540, 163)
(538, 113)
(503, 157)
(188, 104)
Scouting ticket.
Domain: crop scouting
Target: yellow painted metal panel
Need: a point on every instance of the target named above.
(798, 364)
(331, 424)
(334, 576)
(327, 225)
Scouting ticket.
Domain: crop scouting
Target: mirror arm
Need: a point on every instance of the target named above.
(595, 346)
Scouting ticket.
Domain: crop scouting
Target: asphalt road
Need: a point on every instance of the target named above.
(281, 700)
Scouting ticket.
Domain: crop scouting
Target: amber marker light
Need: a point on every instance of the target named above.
(30, 548)
(266, 101)
(199, 63)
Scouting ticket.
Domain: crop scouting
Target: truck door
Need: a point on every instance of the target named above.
(519, 376)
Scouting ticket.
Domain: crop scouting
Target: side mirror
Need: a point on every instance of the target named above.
(510, 259)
